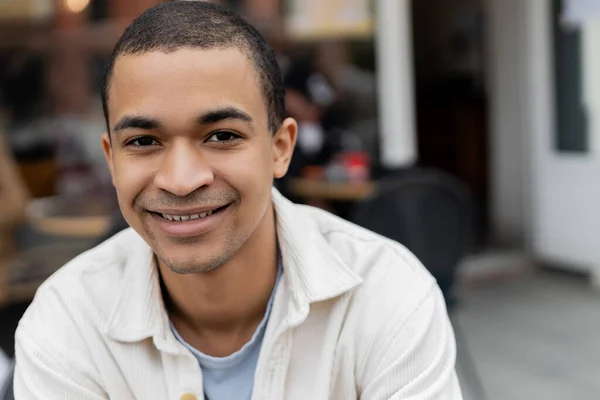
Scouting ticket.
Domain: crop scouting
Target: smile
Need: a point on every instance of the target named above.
(192, 223)
(189, 217)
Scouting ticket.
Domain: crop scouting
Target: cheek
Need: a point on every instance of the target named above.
(130, 179)
(250, 172)
(259, 167)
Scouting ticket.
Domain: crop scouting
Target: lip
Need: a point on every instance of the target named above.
(192, 228)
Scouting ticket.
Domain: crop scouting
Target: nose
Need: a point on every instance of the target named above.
(183, 170)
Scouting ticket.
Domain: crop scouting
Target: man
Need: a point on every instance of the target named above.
(223, 289)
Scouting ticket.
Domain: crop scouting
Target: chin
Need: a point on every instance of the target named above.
(184, 267)
(196, 261)
(191, 269)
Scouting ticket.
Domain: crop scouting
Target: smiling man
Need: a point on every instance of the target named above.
(223, 289)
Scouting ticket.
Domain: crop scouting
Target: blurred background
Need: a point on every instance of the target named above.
(465, 129)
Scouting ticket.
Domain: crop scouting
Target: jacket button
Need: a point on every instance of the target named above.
(188, 396)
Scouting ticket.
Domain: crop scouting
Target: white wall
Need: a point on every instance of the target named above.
(509, 147)
(395, 79)
(591, 80)
(566, 223)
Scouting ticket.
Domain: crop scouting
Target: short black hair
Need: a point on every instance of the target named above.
(174, 25)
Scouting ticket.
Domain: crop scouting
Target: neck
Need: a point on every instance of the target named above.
(218, 312)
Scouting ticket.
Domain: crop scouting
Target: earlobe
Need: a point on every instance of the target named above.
(283, 147)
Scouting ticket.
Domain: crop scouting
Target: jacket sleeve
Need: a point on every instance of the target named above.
(414, 357)
(40, 374)
(52, 357)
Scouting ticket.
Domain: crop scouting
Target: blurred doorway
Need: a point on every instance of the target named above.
(451, 100)
(566, 166)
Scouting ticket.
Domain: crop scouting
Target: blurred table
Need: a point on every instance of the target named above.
(68, 227)
(333, 191)
(77, 217)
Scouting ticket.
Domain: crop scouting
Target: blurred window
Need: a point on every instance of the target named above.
(572, 126)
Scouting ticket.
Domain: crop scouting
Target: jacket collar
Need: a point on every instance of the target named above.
(313, 273)
(139, 312)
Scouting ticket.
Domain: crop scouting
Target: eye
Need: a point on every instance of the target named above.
(223, 136)
(144, 141)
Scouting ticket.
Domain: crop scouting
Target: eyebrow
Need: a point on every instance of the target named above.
(222, 114)
(136, 122)
(209, 117)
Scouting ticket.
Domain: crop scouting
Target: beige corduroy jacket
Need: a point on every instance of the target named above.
(355, 316)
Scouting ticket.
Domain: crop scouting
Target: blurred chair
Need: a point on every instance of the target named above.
(429, 212)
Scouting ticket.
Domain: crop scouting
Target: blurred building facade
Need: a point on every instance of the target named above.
(538, 64)
(501, 93)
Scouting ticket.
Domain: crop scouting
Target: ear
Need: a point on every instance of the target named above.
(284, 142)
(107, 147)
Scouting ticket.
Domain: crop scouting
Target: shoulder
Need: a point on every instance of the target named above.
(396, 322)
(397, 292)
(381, 263)
(60, 343)
(83, 292)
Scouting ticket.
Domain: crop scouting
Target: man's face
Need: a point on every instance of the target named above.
(191, 154)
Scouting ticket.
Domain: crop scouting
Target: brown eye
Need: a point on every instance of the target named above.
(222, 136)
(144, 141)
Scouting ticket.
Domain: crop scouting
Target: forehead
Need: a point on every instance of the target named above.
(184, 81)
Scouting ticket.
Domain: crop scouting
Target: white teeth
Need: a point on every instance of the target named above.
(187, 217)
